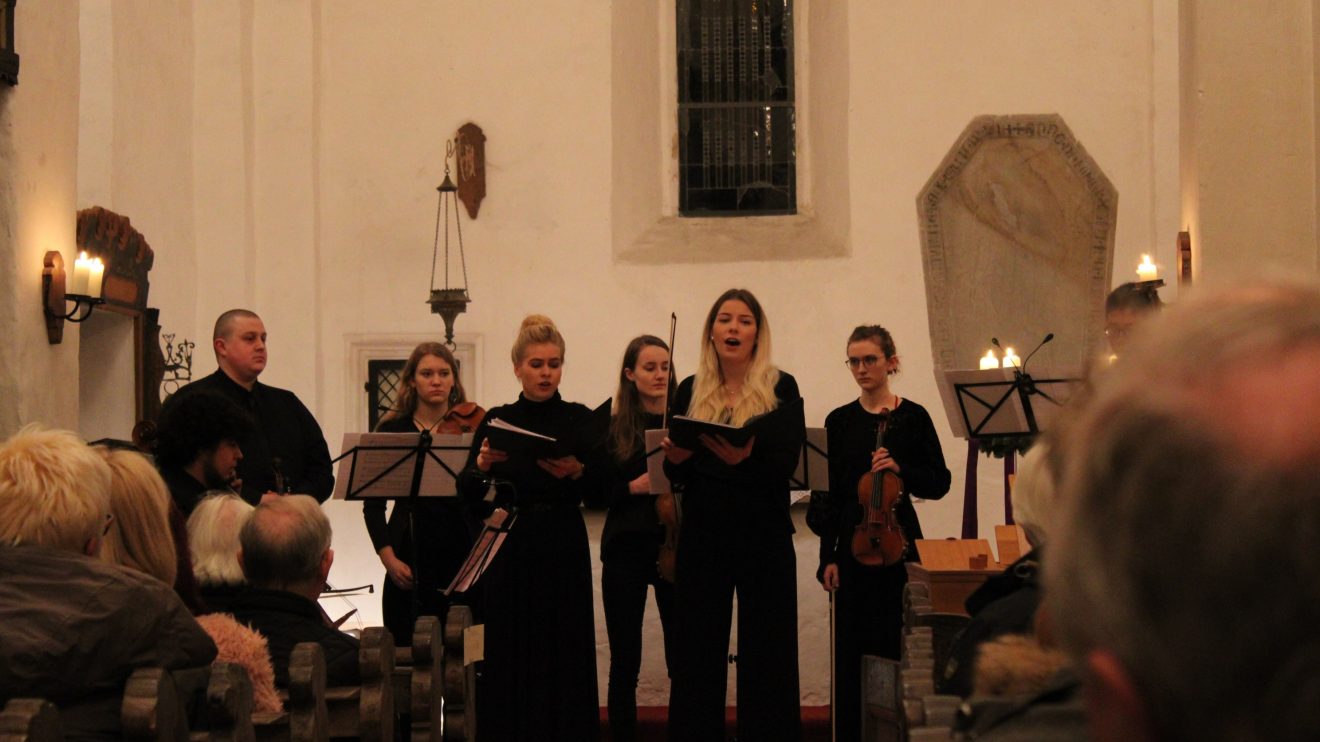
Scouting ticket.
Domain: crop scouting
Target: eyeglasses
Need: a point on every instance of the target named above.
(109, 521)
(863, 362)
(1117, 331)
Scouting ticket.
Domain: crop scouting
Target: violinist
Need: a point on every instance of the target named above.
(431, 399)
(633, 537)
(869, 607)
(737, 537)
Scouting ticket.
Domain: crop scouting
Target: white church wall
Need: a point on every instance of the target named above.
(317, 136)
(1250, 171)
(38, 190)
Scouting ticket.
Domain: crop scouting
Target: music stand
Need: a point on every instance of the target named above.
(998, 402)
(377, 471)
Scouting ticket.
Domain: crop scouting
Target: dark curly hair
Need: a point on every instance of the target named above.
(197, 423)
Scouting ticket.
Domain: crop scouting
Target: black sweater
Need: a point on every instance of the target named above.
(914, 446)
(755, 489)
(632, 528)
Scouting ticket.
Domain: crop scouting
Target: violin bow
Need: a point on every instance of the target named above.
(673, 324)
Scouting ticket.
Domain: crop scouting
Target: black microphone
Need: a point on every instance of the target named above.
(995, 342)
(1048, 337)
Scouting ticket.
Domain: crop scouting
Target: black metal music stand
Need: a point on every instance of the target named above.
(375, 472)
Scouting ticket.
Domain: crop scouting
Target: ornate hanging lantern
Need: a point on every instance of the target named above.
(451, 300)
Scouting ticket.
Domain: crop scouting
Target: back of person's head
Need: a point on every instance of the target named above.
(54, 490)
(139, 536)
(1136, 297)
(213, 530)
(1034, 491)
(197, 423)
(1182, 574)
(284, 543)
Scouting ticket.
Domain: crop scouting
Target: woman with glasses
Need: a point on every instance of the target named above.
(869, 600)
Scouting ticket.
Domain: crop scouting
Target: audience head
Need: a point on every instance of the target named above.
(1125, 307)
(1035, 492)
(286, 546)
(213, 530)
(1182, 575)
(239, 340)
(202, 431)
(138, 537)
(538, 357)
(428, 362)
(54, 491)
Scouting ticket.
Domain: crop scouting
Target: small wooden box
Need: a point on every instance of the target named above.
(953, 569)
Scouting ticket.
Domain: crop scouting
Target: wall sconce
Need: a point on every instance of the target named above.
(84, 290)
(8, 57)
(452, 300)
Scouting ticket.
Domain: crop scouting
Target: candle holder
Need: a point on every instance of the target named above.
(55, 301)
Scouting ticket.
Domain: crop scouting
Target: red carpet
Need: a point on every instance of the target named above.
(651, 723)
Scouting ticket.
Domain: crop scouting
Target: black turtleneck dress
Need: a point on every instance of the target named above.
(539, 680)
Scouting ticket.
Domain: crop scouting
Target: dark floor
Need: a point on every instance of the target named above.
(651, 723)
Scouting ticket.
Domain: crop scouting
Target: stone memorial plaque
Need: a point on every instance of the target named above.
(1017, 235)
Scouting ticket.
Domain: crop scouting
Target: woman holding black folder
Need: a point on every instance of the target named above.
(431, 399)
(737, 536)
(869, 603)
(539, 681)
(630, 543)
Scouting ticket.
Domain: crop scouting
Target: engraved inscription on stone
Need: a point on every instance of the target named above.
(1017, 234)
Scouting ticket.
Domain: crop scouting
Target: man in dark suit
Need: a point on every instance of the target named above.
(286, 451)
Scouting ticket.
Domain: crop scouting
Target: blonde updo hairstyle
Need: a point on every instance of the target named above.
(536, 329)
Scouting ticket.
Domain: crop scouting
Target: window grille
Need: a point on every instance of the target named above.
(736, 117)
(384, 381)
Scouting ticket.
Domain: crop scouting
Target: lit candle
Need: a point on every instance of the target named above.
(1147, 271)
(82, 269)
(1011, 359)
(989, 360)
(96, 274)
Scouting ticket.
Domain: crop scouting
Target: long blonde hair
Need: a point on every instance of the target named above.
(758, 391)
(140, 537)
(536, 328)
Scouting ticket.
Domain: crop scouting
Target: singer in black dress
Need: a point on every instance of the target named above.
(431, 399)
(737, 537)
(869, 600)
(539, 679)
(630, 543)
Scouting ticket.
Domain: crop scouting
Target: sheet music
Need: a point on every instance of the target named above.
(387, 458)
(655, 461)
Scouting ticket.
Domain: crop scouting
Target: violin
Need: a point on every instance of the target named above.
(666, 504)
(878, 540)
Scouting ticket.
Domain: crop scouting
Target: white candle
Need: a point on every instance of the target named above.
(82, 268)
(96, 274)
(1147, 271)
(1011, 359)
(989, 360)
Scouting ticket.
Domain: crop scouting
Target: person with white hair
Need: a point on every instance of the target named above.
(1182, 577)
(213, 530)
(74, 626)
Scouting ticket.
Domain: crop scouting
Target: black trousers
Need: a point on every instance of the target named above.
(754, 559)
(868, 619)
(623, 586)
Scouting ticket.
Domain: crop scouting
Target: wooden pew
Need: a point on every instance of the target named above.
(367, 712)
(460, 679)
(152, 709)
(418, 685)
(229, 703)
(30, 720)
